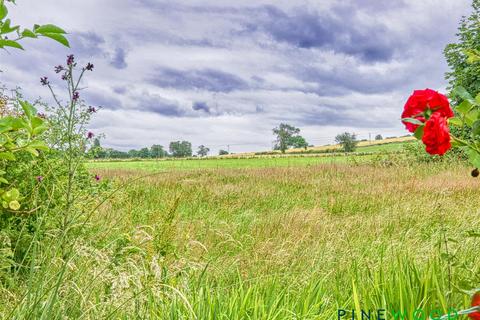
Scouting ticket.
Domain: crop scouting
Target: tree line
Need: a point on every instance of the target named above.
(176, 149)
(286, 137)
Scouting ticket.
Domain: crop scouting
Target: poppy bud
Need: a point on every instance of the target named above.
(475, 173)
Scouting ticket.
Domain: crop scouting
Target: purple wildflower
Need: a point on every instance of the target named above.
(90, 135)
(91, 109)
(39, 178)
(65, 76)
(70, 60)
(89, 67)
(44, 81)
(97, 177)
(76, 96)
(59, 69)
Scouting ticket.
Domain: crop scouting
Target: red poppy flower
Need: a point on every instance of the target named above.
(436, 135)
(420, 101)
(475, 302)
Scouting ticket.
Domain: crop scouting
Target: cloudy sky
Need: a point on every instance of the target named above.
(226, 72)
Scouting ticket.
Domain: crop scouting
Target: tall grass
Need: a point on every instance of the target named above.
(261, 243)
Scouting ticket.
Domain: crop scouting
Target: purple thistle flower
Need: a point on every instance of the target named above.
(91, 109)
(70, 60)
(65, 76)
(90, 135)
(76, 96)
(59, 69)
(97, 177)
(39, 178)
(89, 67)
(44, 81)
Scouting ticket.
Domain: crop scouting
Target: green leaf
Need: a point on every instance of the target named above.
(33, 151)
(464, 107)
(27, 33)
(3, 180)
(6, 27)
(476, 128)
(14, 205)
(474, 157)
(14, 193)
(419, 132)
(7, 156)
(10, 43)
(413, 120)
(457, 122)
(473, 55)
(471, 117)
(57, 37)
(29, 110)
(3, 10)
(463, 93)
(49, 29)
(39, 130)
(38, 144)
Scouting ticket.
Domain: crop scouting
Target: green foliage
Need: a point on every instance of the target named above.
(462, 56)
(19, 134)
(157, 151)
(378, 137)
(180, 149)
(288, 136)
(347, 140)
(202, 151)
(222, 152)
(11, 35)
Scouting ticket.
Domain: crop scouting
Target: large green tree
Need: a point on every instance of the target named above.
(203, 151)
(347, 140)
(157, 151)
(288, 136)
(180, 149)
(460, 56)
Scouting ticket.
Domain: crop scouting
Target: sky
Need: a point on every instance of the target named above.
(224, 73)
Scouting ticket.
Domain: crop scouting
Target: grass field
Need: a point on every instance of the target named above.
(261, 241)
(257, 162)
(249, 162)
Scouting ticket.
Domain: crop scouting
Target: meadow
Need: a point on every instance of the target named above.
(268, 242)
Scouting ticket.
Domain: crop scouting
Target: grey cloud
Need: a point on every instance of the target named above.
(159, 105)
(118, 59)
(101, 99)
(338, 31)
(201, 106)
(87, 44)
(205, 79)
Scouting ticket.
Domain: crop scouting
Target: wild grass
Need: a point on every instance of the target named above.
(291, 242)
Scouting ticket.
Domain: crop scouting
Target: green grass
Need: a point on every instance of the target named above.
(387, 147)
(256, 162)
(265, 242)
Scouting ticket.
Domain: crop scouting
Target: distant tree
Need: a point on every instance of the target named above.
(287, 136)
(378, 137)
(133, 153)
(97, 151)
(347, 140)
(222, 152)
(299, 142)
(202, 151)
(157, 151)
(144, 153)
(180, 149)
